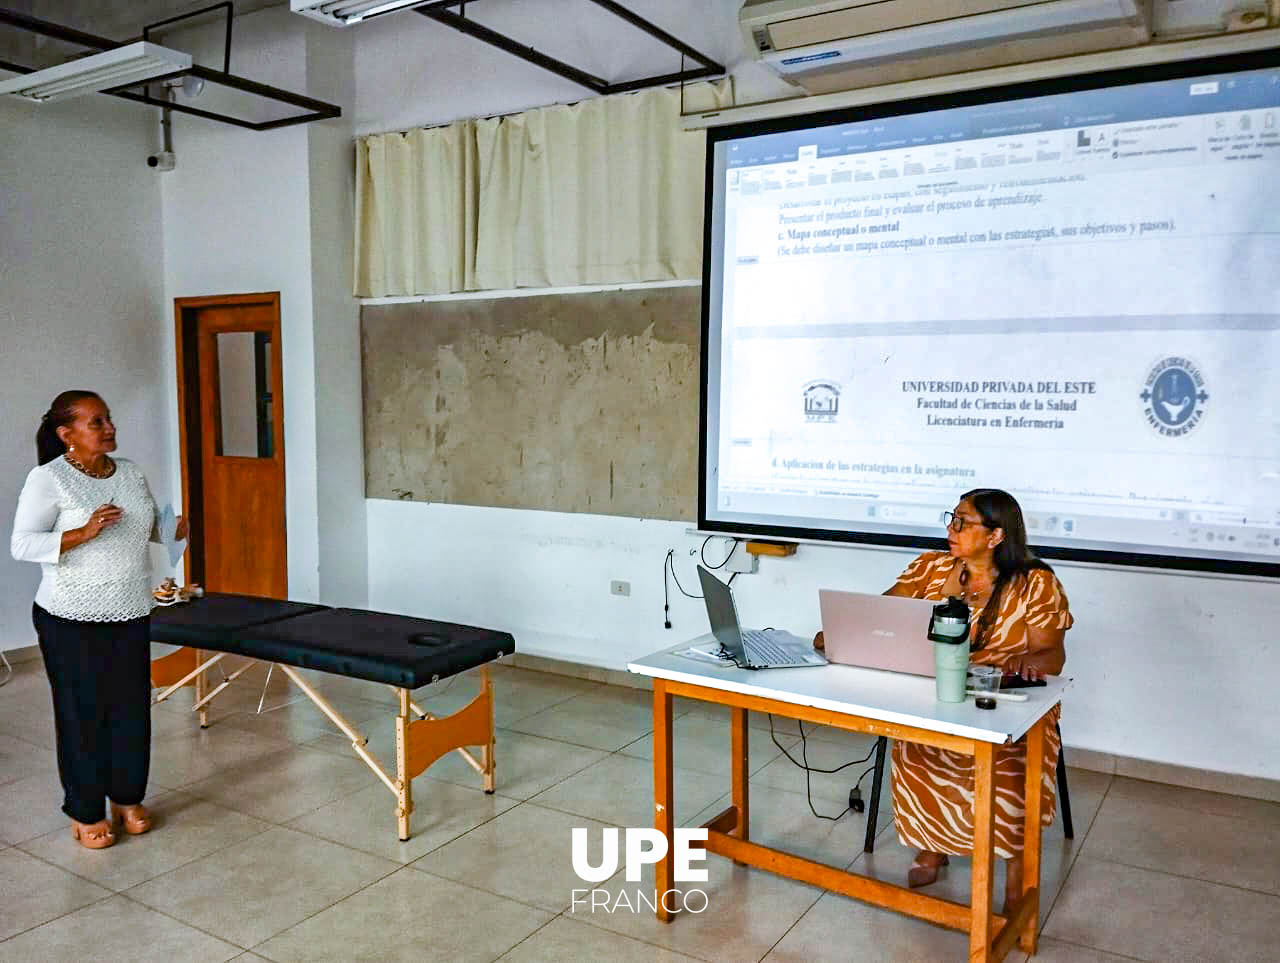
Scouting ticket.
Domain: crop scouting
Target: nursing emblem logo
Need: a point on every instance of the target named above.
(1174, 396)
(821, 401)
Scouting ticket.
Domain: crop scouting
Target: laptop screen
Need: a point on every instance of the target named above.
(721, 613)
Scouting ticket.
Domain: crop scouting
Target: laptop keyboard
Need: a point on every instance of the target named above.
(763, 649)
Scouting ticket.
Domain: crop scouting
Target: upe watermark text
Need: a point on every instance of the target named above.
(641, 846)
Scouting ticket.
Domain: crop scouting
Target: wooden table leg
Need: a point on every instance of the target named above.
(663, 794)
(1031, 834)
(489, 764)
(201, 685)
(740, 789)
(983, 851)
(404, 783)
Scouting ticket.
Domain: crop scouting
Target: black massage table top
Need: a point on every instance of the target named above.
(394, 649)
(210, 619)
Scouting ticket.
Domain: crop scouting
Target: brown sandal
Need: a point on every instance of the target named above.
(97, 835)
(136, 819)
(924, 871)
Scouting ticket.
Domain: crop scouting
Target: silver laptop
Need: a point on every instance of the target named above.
(877, 631)
(752, 648)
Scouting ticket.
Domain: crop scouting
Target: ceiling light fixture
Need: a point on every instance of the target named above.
(118, 67)
(348, 13)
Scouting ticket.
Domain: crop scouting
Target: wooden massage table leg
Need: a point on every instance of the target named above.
(490, 765)
(358, 742)
(485, 769)
(202, 701)
(404, 780)
(188, 667)
(201, 692)
(163, 670)
(420, 742)
(421, 738)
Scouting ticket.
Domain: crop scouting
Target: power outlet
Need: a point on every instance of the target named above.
(619, 587)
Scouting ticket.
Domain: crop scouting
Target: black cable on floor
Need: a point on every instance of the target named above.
(803, 763)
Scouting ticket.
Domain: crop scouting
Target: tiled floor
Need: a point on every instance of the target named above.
(273, 842)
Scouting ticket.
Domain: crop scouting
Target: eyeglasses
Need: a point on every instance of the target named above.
(957, 522)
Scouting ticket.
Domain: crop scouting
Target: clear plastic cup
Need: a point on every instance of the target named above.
(984, 679)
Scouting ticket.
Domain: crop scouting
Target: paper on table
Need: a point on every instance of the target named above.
(709, 652)
(168, 528)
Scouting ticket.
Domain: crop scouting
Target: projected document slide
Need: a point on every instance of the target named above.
(1072, 297)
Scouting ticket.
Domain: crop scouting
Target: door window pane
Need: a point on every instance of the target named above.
(244, 395)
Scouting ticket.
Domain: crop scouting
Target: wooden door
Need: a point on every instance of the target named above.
(231, 388)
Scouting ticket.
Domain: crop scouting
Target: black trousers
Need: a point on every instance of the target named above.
(100, 674)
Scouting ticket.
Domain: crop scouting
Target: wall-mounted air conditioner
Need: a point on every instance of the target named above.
(348, 13)
(829, 45)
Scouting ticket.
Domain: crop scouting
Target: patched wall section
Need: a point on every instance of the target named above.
(571, 403)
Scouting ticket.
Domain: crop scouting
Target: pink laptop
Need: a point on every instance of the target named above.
(877, 631)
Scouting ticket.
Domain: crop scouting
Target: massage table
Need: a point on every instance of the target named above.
(395, 650)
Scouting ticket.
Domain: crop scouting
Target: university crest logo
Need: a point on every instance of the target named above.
(821, 401)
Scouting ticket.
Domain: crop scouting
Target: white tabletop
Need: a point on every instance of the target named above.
(887, 696)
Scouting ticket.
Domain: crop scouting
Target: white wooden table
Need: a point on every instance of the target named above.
(889, 704)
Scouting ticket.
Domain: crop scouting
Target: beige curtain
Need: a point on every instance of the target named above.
(416, 211)
(609, 190)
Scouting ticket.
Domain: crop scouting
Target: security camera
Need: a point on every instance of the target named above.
(165, 160)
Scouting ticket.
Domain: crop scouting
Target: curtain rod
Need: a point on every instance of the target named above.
(558, 103)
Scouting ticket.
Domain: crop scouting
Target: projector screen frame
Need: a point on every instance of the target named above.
(1266, 59)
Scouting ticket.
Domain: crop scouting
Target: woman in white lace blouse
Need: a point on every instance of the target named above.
(87, 519)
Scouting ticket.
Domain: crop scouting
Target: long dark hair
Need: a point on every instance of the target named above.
(1013, 558)
(62, 412)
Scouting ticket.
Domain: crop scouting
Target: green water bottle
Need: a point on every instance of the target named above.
(949, 632)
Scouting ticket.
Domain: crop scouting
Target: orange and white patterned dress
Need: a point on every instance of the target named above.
(933, 788)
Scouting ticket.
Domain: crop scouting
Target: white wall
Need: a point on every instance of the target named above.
(237, 214)
(1164, 664)
(340, 501)
(1172, 668)
(80, 296)
(545, 577)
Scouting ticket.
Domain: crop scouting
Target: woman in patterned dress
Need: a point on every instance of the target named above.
(1019, 618)
(87, 518)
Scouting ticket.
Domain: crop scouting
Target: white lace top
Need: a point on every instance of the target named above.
(107, 579)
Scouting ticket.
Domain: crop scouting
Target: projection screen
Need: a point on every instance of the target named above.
(1065, 289)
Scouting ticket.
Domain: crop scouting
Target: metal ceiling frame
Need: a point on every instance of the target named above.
(316, 109)
(441, 12)
(225, 4)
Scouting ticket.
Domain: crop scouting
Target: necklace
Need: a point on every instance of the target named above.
(107, 471)
(971, 595)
